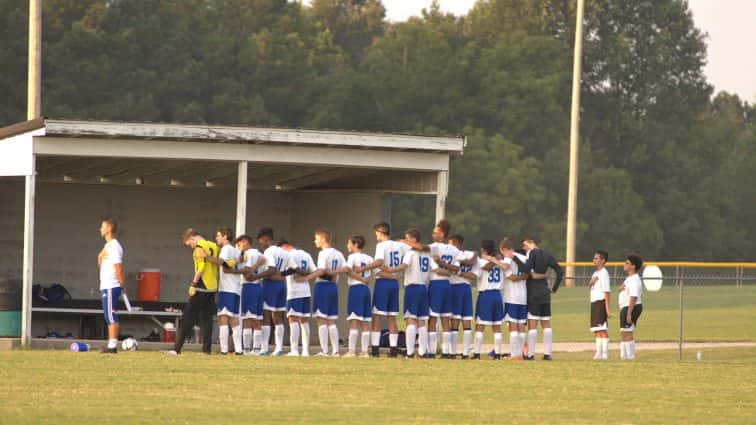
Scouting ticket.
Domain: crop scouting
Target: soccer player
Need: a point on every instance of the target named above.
(110, 262)
(489, 309)
(202, 288)
(326, 298)
(599, 295)
(298, 298)
(274, 290)
(461, 299)
(439, 289)
(539, 295)
(252, 261)
(388, 254)
(631, 305)
(417, 266)
(358, 300)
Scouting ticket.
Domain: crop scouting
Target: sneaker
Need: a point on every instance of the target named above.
(528, 358)
(321, 354)
(293, 354)
(107, 350)
(171, 352)
(278, 353)
(547, 357)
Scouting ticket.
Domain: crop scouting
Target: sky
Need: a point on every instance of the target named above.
(729, 23)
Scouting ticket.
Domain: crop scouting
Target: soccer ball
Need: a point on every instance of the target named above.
(129, 344)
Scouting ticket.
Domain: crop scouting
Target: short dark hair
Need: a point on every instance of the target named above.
(243, 238)
(357, 240)
(415, 233)
(227, 232)
(265, 231)
(382, 227)
(188, 233)
(526, 238)
(283, 242)
(603, 254)
(458, 238)
(112, 223)
(636, 260)
(445, 226)
(489, 246)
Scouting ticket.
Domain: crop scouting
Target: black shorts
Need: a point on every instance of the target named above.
(629, 327)
(539, 311)
(598, 316)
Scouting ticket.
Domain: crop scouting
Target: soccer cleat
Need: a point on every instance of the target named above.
(107, 350)
(238, 353)
(171, 352)
(336, 354)
(224, 353)
(597, 356)
(375, 351)
(293, 354)
(393, 352)
(528, 358)
(429, 356)
(264, 353)
(278, 353)
(497, 357)
(547, 357)
(464, 357)
(350, 355)
(506, 355)
(321, 354)
(305, 354)
(604, 357)
(491, 353)
(475, 356)
(364, 355)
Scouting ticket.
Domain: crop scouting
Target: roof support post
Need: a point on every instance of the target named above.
(442, 190)
(241, 199)
(28, 261)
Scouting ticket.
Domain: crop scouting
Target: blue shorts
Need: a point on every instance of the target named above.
(516, 313)
(252, 301)
(228, 304)
(415, 302)
(274, 295)
(490, 309)
(326, 300)
(439, 298)
(110, 304)
(358, 303)
(461, 300)
(299, 307)
(386, 297)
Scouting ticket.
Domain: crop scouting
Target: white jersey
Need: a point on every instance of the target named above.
(229, 282)
(298, 259)
(489, 280)
(358, 259)
(276, 257)
(330, 259)
(457, 279)
(419, 265)
(447, 252)
(515, 292)
(633, 288)
(249, 259)
(601, 286)
(391, 252)
(113, 255)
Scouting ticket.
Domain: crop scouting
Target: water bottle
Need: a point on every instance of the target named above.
(79, 347)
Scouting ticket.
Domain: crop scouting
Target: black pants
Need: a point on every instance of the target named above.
(199, 310)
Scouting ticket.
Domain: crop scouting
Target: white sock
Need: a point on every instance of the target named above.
(294, 335)
(548, 337)
(353, 336)
(532, 338)
(305, 328)
(446, 343)
(422, 343)
(497, 342)
(623, 350)
(605, 347)
(279, 337)
(265, 343)
(323, 338)
(333, 331)
(598, 345)
(247, 339)
(514, 344)
(432, 342)
(237, 334)
(393, 340)
(365, 342)
(223, 332)
(257, 337)
(521, 342)
(113, 343)
(478, 342)
(411, 334)
(466, 342)
(454, 342)
(375, 339)
(631, 350)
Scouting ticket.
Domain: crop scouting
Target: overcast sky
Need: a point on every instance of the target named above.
(731, 25)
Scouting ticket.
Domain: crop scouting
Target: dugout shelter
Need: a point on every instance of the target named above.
(60, 178)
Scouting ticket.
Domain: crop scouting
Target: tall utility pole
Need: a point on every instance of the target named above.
(34, 89)
(574, 150)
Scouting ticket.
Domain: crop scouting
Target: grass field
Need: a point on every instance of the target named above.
(58, 387)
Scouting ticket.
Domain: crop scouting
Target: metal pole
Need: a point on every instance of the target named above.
(241, 199)
(34, 82)
(574, 132)
(442, 190)
(28, 260)
(680, 335)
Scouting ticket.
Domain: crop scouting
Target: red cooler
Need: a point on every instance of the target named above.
(148, 285)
